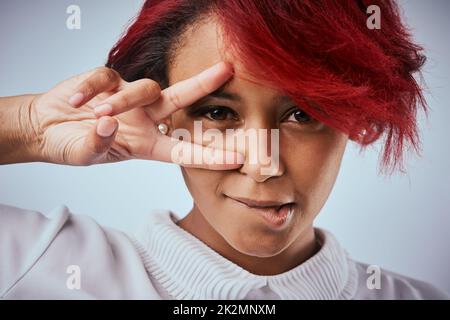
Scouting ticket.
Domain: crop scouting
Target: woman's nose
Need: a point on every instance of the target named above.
(262, 153)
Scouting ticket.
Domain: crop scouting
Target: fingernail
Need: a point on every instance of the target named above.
(76, 99)
(106, 128)
(103, 110)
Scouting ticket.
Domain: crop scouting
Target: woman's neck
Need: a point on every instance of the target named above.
(304, 247)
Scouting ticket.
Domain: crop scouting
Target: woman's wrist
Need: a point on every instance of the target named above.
(20, 139)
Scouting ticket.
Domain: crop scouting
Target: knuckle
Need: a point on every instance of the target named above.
(201, 85)
(151, 87)
(174, 99)
(107, 75)
(98, 148)
(88, 89)
(121, 101)
(95, 147)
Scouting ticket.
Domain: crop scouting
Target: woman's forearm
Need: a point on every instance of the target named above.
(19, 141)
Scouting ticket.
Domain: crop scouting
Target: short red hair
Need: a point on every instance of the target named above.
(320, 52)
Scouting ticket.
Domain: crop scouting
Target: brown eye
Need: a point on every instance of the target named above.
(218, 113)
(299, 116)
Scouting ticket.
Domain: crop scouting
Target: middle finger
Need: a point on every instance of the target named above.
(186, 92)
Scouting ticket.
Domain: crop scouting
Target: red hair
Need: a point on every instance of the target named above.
(320, 52)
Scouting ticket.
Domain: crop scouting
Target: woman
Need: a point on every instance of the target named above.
(311, 72)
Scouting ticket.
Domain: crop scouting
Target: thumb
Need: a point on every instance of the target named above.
(100, 138)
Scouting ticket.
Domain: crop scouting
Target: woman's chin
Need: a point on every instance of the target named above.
(259, 246)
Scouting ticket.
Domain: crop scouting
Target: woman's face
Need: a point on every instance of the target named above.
(309, 154)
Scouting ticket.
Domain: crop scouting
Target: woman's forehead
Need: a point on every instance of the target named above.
(201, 47)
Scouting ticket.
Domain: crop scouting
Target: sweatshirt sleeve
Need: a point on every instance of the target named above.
(40, 254)
(25, 235)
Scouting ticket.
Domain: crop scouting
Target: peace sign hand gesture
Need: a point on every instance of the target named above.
(97, 117)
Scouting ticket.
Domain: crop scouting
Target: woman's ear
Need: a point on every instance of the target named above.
(367, 135)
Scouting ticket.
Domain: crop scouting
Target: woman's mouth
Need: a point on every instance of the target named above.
(275, 213)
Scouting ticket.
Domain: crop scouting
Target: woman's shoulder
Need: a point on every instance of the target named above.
(25, 234)
(375, 282)
(32, 243)
(24, 227)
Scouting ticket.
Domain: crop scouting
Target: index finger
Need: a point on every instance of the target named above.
(192, 155)
(186, 92)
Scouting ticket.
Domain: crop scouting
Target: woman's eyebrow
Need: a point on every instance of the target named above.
(222, 93)
(225, 95)
(282, 100)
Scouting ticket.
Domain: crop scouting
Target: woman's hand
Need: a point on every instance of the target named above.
(97, 117)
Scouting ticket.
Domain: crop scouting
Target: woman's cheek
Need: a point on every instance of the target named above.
(313, 166)
(202, 183)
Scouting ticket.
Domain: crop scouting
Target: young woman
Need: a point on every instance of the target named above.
(311, 70)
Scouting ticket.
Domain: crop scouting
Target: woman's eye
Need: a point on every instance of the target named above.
(299, 116)
(218, 113)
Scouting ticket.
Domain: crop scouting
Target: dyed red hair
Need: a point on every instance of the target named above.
(320, 52)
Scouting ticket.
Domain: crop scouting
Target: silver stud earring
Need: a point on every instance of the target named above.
(163, 128)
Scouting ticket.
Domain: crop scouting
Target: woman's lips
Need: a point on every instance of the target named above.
(259, 203)
(275, 213)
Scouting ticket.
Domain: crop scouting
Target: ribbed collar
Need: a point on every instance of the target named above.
(189, 269)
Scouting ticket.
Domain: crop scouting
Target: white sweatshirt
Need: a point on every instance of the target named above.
(68, 256)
